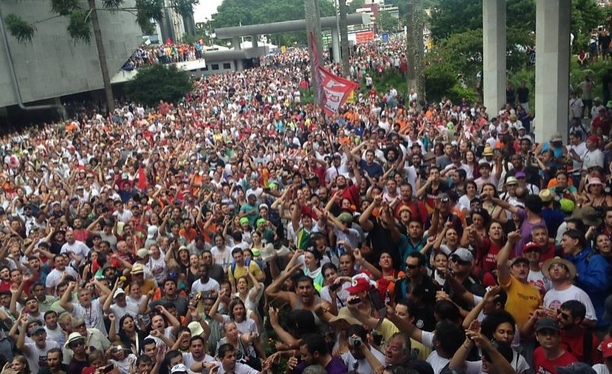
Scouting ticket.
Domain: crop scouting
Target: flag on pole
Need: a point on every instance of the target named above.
(336, 90)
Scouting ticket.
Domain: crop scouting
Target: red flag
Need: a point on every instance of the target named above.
(335, 90)
(142, 179)
(317, 59)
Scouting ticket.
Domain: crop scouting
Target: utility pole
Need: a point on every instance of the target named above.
(344, 43)
(315, 47)
(415, 50)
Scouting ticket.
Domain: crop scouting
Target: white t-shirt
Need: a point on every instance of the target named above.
(189, 360)
(553, 300)
(198, 286)
(130, 308)
(157, 268)
(342, 294)
(78, 248)
(54, 277)
(222, 257)
(93, 316)
(238, 369)
(38, 357)
(601, 369)
(363, 366)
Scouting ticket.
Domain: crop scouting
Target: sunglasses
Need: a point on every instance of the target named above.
(411, 267)
(459, 261)
(77, 344)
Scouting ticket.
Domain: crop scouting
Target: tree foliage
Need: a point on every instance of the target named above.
(456, 27)
(159, 82)
(252, 12)
(79, 26)
(386, 21)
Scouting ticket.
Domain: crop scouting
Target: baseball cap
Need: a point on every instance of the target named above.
(37, 330)
(359, 284)
(463, 254)
(345, 217)
(575, 368)
(119, 292)
(530, 247)
(606, 348)
(547, 323)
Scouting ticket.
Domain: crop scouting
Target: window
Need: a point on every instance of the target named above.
(205, 68)
(227, 65)
(214, 66)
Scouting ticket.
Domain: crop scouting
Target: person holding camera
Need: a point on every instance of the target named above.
(362, 357)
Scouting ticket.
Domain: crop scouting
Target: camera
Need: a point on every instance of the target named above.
(334, 287)
(354, 341)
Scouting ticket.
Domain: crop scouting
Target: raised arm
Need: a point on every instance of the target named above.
(503, 270)
(64, 301)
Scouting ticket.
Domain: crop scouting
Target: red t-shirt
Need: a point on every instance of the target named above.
(486, 255)
(542, 365)
(575, 345)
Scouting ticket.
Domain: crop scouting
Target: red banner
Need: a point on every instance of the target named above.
(335, 91)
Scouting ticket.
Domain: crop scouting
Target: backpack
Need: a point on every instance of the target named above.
(247, 262)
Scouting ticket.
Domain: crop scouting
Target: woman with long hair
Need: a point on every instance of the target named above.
(237, 313)
(20, 365)
(478, 229)
(250, 296)
(242, 343)
(487, 247)
(129, 334)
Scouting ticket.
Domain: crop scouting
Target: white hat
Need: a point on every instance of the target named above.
(151, 232)
(73, 337)
(180, 368)
(142, 253)
(118, 292)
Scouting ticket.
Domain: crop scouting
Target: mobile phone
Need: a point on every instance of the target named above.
(108, 368)
(377, 302)
(335, 286)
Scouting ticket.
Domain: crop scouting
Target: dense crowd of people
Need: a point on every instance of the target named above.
(243, 231)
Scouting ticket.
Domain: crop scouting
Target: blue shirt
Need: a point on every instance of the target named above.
(593, 277)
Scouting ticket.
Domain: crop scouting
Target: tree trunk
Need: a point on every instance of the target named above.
(415, 48)
(315, 47)
(108, 89)
(344, 43)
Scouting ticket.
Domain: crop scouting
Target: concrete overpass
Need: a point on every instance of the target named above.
(329, 23)
(552, 63)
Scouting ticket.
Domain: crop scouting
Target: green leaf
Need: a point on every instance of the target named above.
(79, 27)
(112, 4)
(184, 7)
(19, 28)
(64, 7)
(159, 82)
(149, 10)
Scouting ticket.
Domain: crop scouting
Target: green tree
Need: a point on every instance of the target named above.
(159, 82)
(386, 21)
(252, 12)
(354, 5)
(449, 17)
(83, 23)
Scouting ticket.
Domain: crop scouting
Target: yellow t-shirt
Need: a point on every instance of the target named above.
(239, 272)
(523, 299)
(387, 329)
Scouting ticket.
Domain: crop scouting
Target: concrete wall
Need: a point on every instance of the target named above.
(52, 64)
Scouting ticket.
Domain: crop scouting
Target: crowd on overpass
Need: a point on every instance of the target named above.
(243, 231)
(167, 53)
